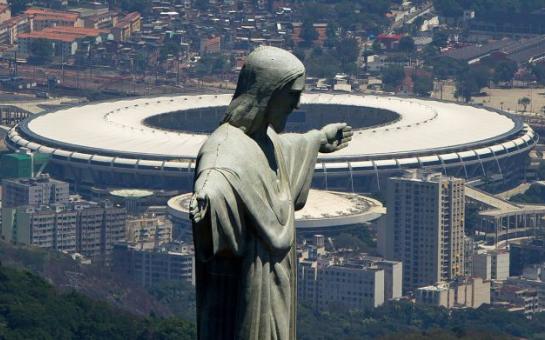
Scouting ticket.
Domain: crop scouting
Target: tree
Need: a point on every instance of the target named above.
(212, 64)
(331, 34)
(18, 6)
(524, 101)
(423, 85)
(392, 76)
(471, 82)
(40, 52)
(170, 47)
(538, 70)
(446, 67)
(142, 6)
(308, 33)
(505, 71)
(202, 5)
(406, 45)
(440, 39)
(347, 51)
(448, 8)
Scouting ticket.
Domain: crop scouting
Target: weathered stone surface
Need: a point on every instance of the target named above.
(249, 180)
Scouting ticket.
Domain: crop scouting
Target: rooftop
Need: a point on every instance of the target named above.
(49, 14)
(116, 126)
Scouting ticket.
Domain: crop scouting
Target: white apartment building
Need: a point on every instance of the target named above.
(424, 228)
(37, 191)
(364, 282)
(471, 293)
(491, 264)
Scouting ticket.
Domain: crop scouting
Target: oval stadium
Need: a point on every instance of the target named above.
(325, 212)
(152, 143)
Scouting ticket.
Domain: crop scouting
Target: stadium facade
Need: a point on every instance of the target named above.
(152, 143)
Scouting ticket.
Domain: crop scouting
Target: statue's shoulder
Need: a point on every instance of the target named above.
(226, 137)
(225, 133)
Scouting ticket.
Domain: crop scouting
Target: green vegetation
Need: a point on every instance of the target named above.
(358, 239)
(392, 76)
(534, 195)
(486, 8)
(31, 309)
(178, 296)
(524, 102)
(404, 320)
(350, 15)
(471, 81)
(325, 63)
(142, 6)
(423, 85)
(212, 63)
(406, 45)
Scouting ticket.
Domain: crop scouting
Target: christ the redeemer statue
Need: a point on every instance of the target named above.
(249, 180)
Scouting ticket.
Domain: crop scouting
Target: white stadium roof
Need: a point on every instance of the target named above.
(117, 127)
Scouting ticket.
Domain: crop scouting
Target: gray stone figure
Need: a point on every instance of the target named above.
(249, 180)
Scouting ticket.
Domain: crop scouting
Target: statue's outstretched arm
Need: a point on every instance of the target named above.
(335, 136)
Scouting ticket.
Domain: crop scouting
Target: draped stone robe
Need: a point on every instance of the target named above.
(245, 246)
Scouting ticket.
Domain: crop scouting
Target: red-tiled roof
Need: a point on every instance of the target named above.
(88, 32)
(126, 20)
(48, 14)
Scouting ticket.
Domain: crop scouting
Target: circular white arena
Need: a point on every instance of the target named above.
(324, 211)
(153, 142)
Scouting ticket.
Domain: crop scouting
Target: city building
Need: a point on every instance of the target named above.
(127, 26)
(356, 283)
(10, 29)
(211, 44)
(149, 267)
(525, 253)
(5, 13)
(41, 190)
(148, 231)
(44, 227)
(491, 264)
(469, 293)
(88, 228)
(64, 40)
(515, 298)
(45, 17)
(424, 228)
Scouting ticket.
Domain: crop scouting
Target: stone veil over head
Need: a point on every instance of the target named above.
(266, 70)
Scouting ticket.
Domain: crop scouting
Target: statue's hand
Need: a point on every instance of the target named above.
(335, 137)
(198, 207)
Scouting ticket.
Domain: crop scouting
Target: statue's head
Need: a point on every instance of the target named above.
(268, 89)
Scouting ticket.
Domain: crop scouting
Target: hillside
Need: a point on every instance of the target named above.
(30, 308)
(95, 282)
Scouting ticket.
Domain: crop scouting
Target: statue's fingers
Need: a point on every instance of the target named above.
(348, 133)
(347, 128)
(346, 140)
(342, 146)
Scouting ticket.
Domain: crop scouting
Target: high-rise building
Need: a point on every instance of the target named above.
(424, 227)
(34, 192)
